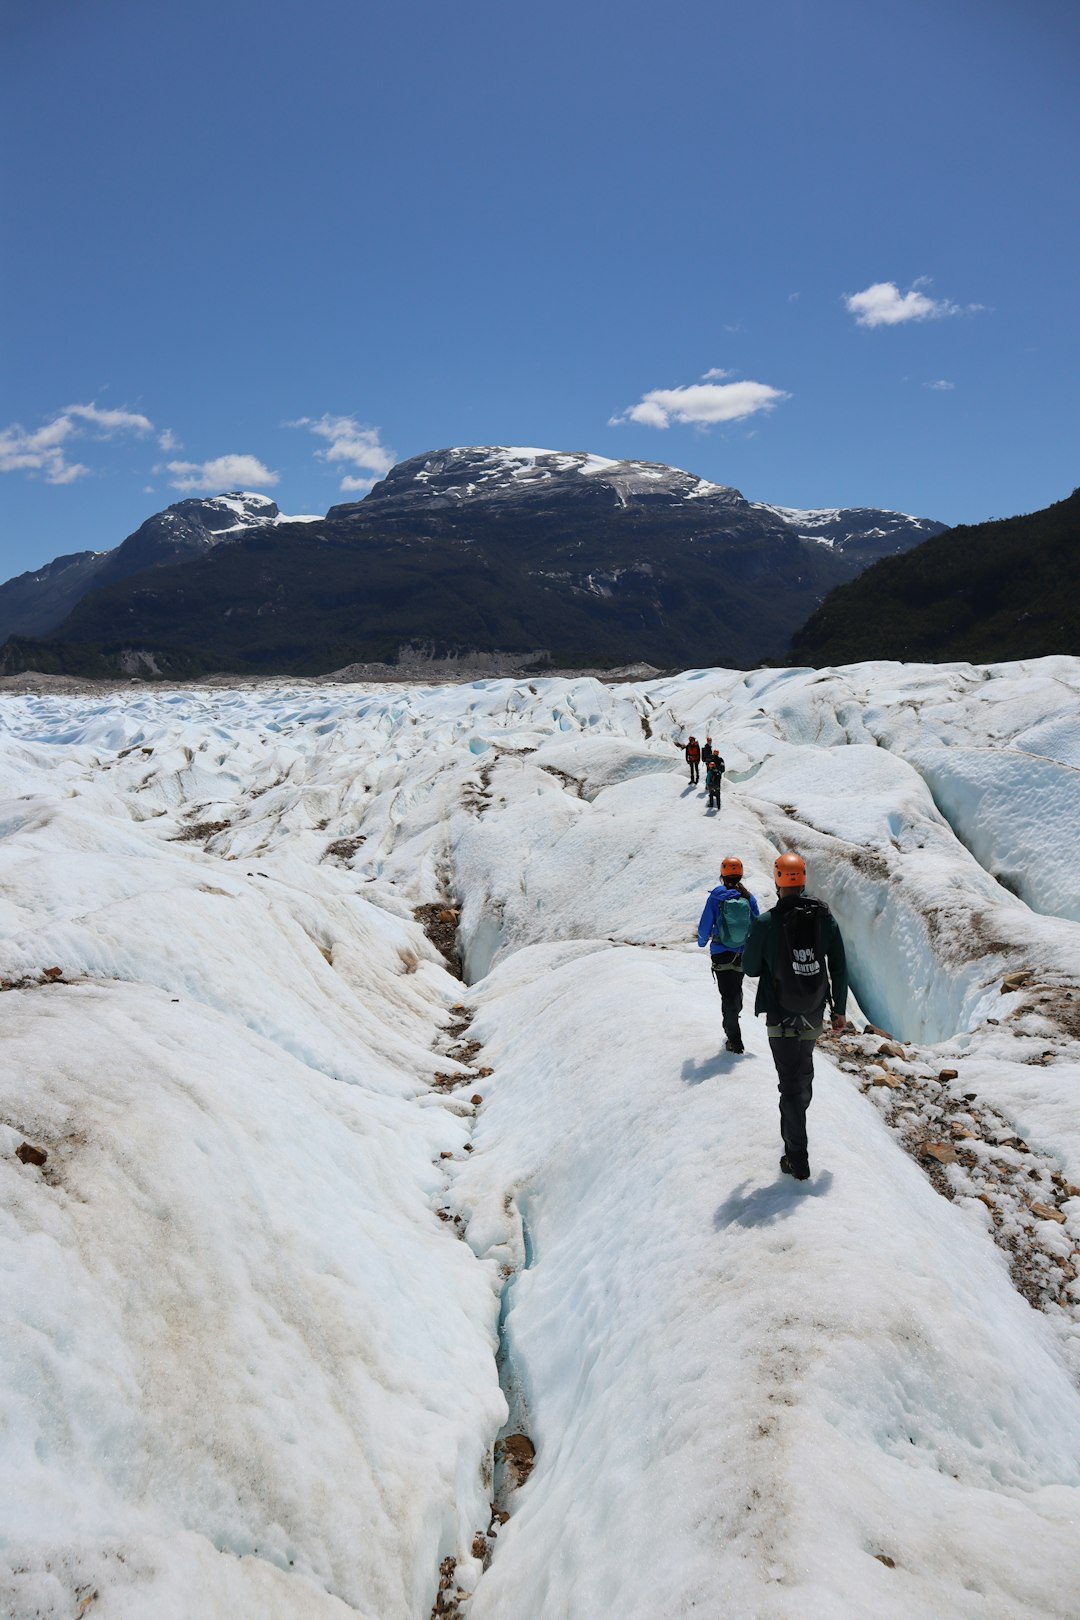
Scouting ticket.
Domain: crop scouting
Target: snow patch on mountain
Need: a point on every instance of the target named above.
(836, 527)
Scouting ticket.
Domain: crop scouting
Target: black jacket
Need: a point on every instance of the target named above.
(760, 954)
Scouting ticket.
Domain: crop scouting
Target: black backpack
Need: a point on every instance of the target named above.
(800, 977)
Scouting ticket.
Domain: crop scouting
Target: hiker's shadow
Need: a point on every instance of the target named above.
(691, 787)
(764, 1205)
(694, 1073)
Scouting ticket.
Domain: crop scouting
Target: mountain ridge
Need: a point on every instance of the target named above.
(481, 549)
(982, 593)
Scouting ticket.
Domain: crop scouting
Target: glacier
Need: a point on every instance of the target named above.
(320, 1225)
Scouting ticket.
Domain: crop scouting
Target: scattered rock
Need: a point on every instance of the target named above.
(29, 1154)
(446, 1154)
(943, 1152)
(480, 1547)
(519, 1454)
(948, 1074)
(875, 1029)
(52, 974)
(468, 1147)
(1015, 981)
(200, 830)
(343, 849)
(439, 922)
(891, 1049)
(465, 1053)
(446, 1597)
(888, 1078)
(476, 1099)
(960, 1132)
(483, 1073)
(1046, 1213)
(883, 1558)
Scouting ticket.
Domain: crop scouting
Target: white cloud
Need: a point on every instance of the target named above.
(167, 440)
(714, 373)
(110, 422)
(348, 442)
(223, 472)
(42, 451)
(705, 402)
(941, 386)
(883, 304)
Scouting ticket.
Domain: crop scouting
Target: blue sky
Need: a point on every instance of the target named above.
(825, 253)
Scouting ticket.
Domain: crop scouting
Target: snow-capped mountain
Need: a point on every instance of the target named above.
(873, 532)
(515, 480)
(33, 604)
(560, 555)
(501, 475)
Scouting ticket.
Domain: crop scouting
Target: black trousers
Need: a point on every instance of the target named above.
(729, 982)
(695, 767)
(794, 1061)
(714, 798)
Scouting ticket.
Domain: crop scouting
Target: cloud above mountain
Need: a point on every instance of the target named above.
(351, 444)
(44, 451)
(221, 472)
(704, 403)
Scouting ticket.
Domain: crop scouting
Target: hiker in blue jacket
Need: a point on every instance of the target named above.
(725, 927)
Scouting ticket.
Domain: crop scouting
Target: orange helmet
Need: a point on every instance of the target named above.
(789, 872)
(731, 866)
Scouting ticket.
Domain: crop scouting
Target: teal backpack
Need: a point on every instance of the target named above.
(732, 926)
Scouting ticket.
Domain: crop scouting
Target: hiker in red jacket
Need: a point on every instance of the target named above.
(692, 750)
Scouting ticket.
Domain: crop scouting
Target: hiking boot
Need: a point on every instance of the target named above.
(734, 1046)
(792, 1166)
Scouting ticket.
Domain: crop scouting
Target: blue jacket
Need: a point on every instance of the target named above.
(708, 918)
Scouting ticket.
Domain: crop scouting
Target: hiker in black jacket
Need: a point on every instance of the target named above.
(797, 953)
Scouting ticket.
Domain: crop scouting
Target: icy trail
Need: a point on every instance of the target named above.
(247, 1366)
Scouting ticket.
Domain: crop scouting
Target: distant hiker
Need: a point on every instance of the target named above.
(692, 750)
(725, 927)
(797, 950)
(714, 776)
(706, 752)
